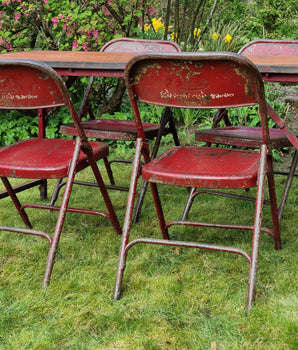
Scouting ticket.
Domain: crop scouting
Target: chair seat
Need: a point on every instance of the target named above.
(245, 136)
(50, 156)
(204, 167)
(111, 129)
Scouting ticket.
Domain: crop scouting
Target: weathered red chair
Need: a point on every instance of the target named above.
(191, 81)
(251, 137)
(125, 130)
(270, 47)
(28, 84)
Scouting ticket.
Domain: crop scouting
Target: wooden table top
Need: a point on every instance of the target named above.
(113, 63)
(76, 62)
(275, 64)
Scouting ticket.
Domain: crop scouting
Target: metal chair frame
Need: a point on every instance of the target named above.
(190, 81)
(250, 137)
(119, 130)
(28, 84)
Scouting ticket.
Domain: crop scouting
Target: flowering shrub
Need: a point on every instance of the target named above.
(67, 24)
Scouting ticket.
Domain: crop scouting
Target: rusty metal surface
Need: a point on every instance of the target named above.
(270, 47)
(191, 81)
(207, 167)
(28, 84)
(140, 45)
(111, 129)
(190, 84)
(277, 60)
(119, 130)
(269, 55)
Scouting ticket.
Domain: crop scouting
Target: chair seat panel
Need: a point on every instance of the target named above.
(204, 167)
(50, 156)
(111, 129)
(245, 136)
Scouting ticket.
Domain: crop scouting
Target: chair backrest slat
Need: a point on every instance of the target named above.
(30, 84)
(140, 45)
(270, 47)
(27, 85)
(194, 80)
(205, 80)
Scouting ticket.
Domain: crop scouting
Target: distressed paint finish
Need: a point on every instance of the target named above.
(202, 80)
(270, 54)
(33, 85)
(125, 130)
(28, 89)
(190, 85)
(129, 45)
(269, 47)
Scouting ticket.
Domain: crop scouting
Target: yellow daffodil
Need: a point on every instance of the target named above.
(197, 32)
(157, 24)
(214, 36)
(228, 38)
(174, 36)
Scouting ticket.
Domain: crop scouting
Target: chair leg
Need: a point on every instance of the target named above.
(139, 203)
(56, 191)
(61, 216)
(172, 127)
(288, 185)
(16, 202)
(128, 218)
(109, 171)
(105, 195)
(253, 266)
(188, 205)
(64, 205)
(167, 118)
(273, 203)
(43, 190)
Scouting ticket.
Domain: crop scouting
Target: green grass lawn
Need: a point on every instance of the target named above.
(171, 299)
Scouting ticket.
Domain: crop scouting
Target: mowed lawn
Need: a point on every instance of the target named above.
(171, 298)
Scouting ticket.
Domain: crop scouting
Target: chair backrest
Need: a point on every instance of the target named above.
(29, 84)
(194, 80)
(270, 47)
(140, 45)
(26, 84)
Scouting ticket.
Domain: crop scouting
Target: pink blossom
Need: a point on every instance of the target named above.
(150, 10)
(46, 1)
(85, 46)
(105, 11)
(75, 45)
(17, 16)
(8, 47)
(55, 21)
(61, 16)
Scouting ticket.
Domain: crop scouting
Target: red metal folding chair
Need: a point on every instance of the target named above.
(251, 137)
(28, 84)
(191, 81)
(125, 130)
